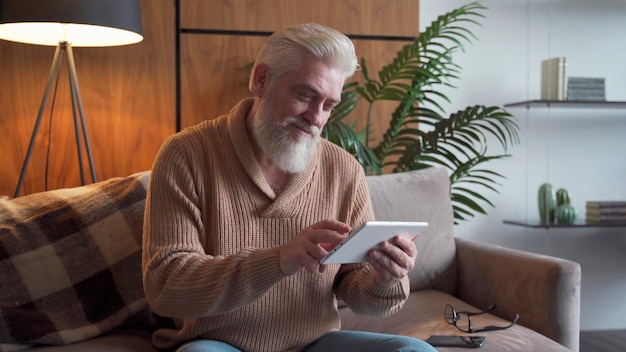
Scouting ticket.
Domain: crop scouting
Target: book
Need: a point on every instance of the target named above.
(604, 218)
(590, 85)
(596, 90)
(553, 85)
(606, 211)
(606, 204)
(586, 80)
(586, 98)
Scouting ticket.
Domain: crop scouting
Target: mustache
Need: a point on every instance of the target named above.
(303, 124)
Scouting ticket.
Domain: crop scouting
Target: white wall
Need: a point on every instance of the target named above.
(582, 150)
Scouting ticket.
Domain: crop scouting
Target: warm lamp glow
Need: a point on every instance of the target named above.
(79, 35)
(81, 23)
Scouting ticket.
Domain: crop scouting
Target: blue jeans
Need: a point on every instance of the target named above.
(340, 341)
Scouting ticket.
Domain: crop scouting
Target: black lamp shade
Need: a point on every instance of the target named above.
(79, 22)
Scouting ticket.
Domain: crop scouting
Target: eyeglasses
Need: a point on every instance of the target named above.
(463, 320)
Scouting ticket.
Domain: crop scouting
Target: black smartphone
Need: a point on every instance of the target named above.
(456, 341)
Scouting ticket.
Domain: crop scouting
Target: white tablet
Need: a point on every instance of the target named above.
(369, 235)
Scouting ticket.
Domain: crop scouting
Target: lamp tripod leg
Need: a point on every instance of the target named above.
(53, 72)
(79, 148)
(77, 106)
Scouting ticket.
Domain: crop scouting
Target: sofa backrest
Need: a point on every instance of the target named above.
(421, 195)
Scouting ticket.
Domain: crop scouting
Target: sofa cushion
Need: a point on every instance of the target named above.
(118, 340)
(421, 195)
(71, 262)
(422, 316)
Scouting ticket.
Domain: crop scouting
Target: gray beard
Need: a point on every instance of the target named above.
(273, 137)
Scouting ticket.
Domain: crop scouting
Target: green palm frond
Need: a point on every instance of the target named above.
(345, 136)
(419, 135)
(349, 100)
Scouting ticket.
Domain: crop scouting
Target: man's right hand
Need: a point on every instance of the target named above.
(310, 245)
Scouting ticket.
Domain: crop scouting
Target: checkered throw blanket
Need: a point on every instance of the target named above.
(70, 262)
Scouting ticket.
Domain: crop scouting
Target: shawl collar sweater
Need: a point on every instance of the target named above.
(212, 230)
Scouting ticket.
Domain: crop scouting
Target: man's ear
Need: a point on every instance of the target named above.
(260, 79)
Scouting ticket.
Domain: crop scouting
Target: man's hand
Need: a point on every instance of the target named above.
(310, 245)
(393, 260)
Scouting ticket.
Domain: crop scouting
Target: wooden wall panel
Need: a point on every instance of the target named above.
(370, 17)
(214, 74)
(128, 98)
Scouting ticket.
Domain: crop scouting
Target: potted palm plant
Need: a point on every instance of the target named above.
(419, 135)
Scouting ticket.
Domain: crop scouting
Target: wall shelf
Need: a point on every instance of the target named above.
(538, 225)
(565, 104)
(568, 104)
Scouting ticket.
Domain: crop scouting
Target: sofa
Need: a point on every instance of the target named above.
(71, 273)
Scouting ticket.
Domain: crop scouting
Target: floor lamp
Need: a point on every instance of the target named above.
(66, 24)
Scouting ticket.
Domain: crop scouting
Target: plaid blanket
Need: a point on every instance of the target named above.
(71, 262)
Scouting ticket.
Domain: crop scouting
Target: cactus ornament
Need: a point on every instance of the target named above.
(547, 203)
(562, 197)
(564, 212)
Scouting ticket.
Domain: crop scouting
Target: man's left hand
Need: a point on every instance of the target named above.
(393, 260)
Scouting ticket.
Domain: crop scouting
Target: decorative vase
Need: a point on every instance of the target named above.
(547, 203)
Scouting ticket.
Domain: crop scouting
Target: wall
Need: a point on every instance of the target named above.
(578, 149)
(128, 98)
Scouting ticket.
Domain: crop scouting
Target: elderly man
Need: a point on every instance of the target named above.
(241, 209)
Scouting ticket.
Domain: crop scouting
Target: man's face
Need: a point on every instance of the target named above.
(292, 112)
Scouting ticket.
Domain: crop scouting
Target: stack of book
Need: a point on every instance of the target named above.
(585, 89)
(606, 212)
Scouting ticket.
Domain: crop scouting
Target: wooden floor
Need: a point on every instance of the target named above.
(603, 341)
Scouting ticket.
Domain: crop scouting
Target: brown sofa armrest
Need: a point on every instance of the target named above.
(544, 290)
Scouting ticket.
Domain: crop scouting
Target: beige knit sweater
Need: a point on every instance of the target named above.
(212, 231)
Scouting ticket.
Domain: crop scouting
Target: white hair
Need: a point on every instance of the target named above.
(284, 50)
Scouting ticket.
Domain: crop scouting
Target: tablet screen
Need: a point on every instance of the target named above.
(369, 235)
